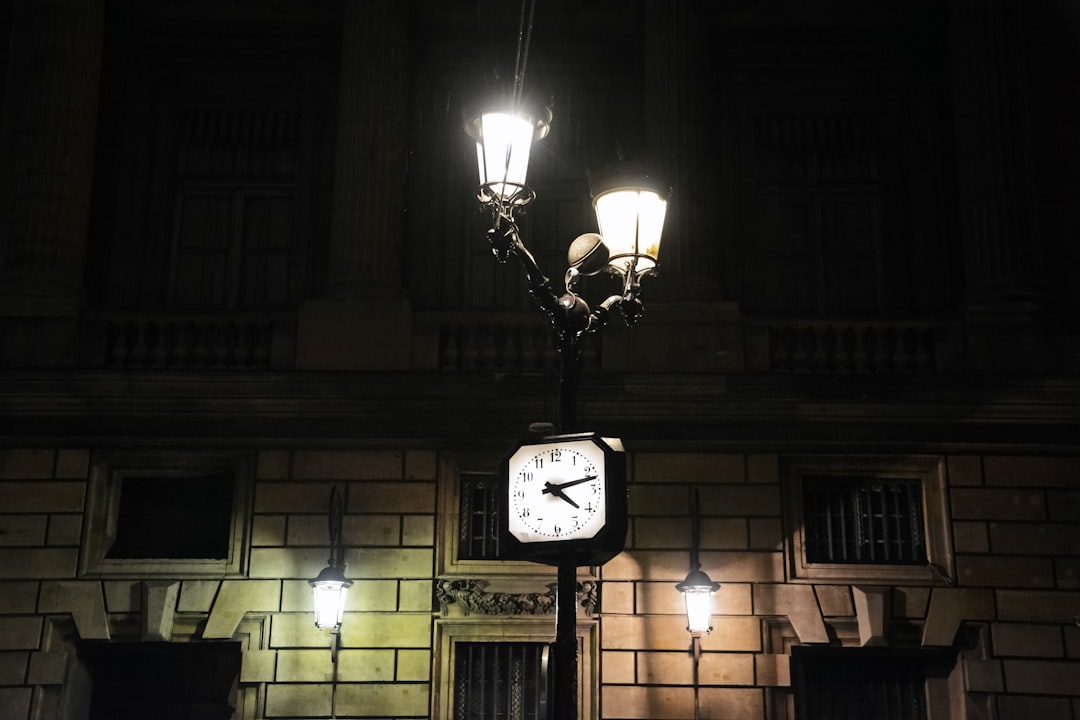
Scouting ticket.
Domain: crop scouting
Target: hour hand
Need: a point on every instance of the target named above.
(556, 490)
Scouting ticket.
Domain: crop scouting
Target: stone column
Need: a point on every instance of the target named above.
(685, 310)
(362, 319)
(367, 224)
(680, 125)
(995, 192)
(994, 174)
(47, 145)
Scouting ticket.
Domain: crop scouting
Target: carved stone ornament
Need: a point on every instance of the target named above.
(471, 597)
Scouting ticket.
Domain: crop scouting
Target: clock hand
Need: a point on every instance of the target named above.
(556, 490)
(552, 486)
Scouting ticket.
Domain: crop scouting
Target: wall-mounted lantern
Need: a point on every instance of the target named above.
(697, 590)
(331, 585)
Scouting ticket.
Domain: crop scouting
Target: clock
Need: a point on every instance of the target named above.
(564, 497)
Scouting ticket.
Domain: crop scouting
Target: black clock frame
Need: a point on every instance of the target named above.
(597, 550)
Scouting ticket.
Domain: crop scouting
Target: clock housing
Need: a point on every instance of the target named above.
(564, 497)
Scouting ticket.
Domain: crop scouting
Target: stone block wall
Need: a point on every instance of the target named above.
(1013, 601)
(1016, 543)
(384, 663)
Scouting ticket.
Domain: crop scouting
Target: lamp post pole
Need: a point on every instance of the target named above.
(570, 318)
(565, 700)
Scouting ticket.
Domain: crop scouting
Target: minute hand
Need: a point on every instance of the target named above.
(552, 487)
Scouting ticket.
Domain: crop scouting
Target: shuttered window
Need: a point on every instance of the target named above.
(478, 528)
(876, 520)
(500, 681)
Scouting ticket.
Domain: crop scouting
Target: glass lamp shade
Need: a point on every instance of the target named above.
(698, 589)
(330, 588)
(631, 221)
(503, 143)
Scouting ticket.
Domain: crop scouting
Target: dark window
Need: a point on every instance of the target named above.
(863, 520)
(178, 681)
(478, 527)
(860, 683)
(818, 213)
(500, 681)
(174, 517)
(235, 209)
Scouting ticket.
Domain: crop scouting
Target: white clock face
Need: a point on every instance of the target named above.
(557, 492)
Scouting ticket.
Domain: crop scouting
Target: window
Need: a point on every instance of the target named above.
(478, 524)
(184, 517)
(863, 520)
(485, 664)
(177, 680)
(468, 527)
(167, 514)
(236, 209)
(507, 681)
(817, 214)
(858, 683)
(860, 519)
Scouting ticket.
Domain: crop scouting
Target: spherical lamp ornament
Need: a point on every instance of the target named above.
(575, 313)
(588, 254)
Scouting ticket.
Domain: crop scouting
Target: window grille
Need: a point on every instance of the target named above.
(500, 681)
(869, 520)
(478, 528)
(852, 684)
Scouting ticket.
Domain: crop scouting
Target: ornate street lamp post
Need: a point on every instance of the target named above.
(630, 215)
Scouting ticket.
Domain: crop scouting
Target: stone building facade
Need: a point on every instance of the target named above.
(241, 264)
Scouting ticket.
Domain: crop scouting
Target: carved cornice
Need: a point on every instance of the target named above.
(471, 597)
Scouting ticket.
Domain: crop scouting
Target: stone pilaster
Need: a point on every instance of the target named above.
(49, 126)
(363, 298)
(369, 177)
(994, 178)
(680, 126)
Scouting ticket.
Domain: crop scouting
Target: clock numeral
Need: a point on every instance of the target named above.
(524, 512)
(577, 523)
(519, 493)
(556, 529)
(588, 507)
(526, 476)
(595, 489)
(556, 455)
(539, 462)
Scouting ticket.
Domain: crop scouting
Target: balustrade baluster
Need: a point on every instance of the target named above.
(155, 342)
(870, 349)
(198, 346)
(888, 350)
(809, 348)
(829, 344)
(138, 347)
(849, 342)
(469, 351)
(261, 344)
